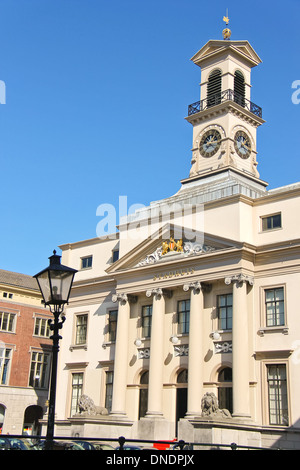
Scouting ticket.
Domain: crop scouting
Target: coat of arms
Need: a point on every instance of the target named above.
(172, 245)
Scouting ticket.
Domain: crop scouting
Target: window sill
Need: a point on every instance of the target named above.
(273, 329)
(108, 343)
(78, 346)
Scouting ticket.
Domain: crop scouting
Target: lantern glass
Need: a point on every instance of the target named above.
(55, 282)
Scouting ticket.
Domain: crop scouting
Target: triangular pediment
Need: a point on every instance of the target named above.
(171, 243)
(218, 47)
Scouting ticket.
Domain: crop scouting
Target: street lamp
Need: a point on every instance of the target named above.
(55, 284)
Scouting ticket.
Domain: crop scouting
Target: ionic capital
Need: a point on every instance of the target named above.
(158, 292)
(192, 285)
(239, 278)
(122, 297)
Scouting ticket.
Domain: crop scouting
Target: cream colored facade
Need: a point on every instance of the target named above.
(224, 310)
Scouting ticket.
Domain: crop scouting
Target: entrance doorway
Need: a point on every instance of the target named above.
(32, 416)
(143, 400)
(181, 396)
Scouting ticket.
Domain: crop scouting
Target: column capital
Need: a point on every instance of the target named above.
(239, 278)
(122, 297)
(193, 285)
(158, 292)
(197, 286)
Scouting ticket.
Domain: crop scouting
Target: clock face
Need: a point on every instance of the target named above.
(210, 143)
(242, 144)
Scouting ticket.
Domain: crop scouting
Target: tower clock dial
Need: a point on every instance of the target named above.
(242, 144)
(210, 143)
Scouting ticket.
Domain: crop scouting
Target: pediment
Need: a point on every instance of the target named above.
(171, 243)
(218, 47)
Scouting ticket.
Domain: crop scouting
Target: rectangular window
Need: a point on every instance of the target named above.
(108, 390)
(274, 300)
(39, 370)
(77, 385)
(115, 255)
(86, 262)
(5, 358)
(271, 222)
(183, 315)
(7, 295)
(146, 321)
(7, 321)
(81, 329)
(112, 325)
(277, 394)
(41, 327)
(225, 311)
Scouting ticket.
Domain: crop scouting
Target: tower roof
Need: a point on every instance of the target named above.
(214, 48)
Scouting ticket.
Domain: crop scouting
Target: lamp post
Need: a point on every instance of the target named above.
(55, 284)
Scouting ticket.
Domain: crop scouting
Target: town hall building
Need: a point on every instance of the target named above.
(184, 323)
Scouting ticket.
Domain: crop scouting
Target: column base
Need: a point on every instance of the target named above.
(118, 414)
(193, 414)
(154, 427)
(154, 415)
(242, 417)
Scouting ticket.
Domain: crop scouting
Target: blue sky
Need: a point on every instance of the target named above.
(96, 96)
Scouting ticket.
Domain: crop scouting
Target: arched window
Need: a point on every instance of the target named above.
(182, 377)
(143, 400)
(239, 88)
(225, 388)
(214, 88)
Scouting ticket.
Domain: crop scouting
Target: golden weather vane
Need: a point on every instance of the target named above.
(226, 31)
(226, 18)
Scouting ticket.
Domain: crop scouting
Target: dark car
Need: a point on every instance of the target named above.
(13, 443)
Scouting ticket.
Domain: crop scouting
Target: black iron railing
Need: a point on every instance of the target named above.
(221, 97)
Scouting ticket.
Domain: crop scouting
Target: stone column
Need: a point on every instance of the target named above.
(156, 354)
(121, 356)
(240, 346)
(195, 360)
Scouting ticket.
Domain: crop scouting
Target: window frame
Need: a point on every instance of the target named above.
(274, 324)
(109, 387)
(263, 329)
(228, 319)
(270, 216)
(110, 331)
(72, 388)
(84, 258)
(279, 416)
(143, 317)
(42, 383)
(14, 321)
(77, 316)
(39, 319)
(5, 365)
(183, 327)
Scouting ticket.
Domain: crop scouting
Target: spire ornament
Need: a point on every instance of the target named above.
(226, 31)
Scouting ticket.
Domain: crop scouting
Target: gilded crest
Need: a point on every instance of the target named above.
(172, 245)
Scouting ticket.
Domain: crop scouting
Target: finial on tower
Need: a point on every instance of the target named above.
(226, 31)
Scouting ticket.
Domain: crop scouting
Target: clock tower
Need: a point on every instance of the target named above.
(225, 120)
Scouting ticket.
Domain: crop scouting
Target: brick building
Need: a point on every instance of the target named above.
(25, 354)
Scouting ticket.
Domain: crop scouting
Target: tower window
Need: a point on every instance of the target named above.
(86, 262)
(239, 88)
(214, 88)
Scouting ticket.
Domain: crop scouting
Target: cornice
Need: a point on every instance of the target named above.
(224, 108)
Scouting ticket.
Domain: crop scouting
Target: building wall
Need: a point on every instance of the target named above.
(16, 394)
